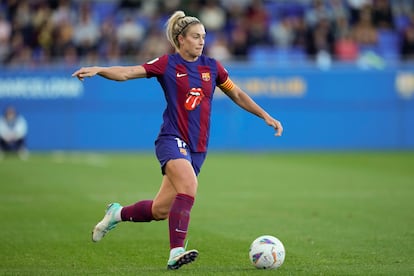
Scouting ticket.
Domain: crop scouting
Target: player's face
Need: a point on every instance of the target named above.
(193, 42)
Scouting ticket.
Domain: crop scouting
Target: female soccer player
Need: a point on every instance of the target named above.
(188, 79)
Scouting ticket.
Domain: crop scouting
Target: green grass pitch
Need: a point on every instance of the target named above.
(336, 213)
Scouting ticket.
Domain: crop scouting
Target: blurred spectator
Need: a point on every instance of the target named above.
(300, 33)
(258, 20)
(63, 13)
(23, 14)
(5, 34)
(108, 28)
(62, 40)
(38, 32)
(355, 6)
(13, 131)
(346, 48)
(70, 56)
(338, 10)
(20, 54)
(281, 32)
(238, 43)
(41, 14)
(341, 27)
(321, 39)
(109, 46)
(364, 32)
(229, 4)
(130, 4)
(170, 6)
(11, 8)
(401, 13)
(86, 32)
(382, 15)
(191, 7)
(130, 34)
(154, 45)
(44, 33)
(219, 49)
(213, 16)
(317, 12)
(407, 44)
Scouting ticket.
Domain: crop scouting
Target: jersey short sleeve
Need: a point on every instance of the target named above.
(156, 66)
(223, 80)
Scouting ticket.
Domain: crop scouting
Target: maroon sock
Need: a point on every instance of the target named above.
(138, 212)
(179, 219)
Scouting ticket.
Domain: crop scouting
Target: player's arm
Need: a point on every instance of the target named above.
(117, 73)
(243, 100)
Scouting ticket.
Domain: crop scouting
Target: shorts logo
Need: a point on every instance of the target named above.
(181, 146)
(183, 151)
(205, 76)
(194, 98)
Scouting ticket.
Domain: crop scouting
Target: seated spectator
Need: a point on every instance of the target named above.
(86, 32)
(130, 34)
(154, 45)
(239, 43)
(345, 48)
(258, 19)
(317, 12)
(382, 15)
(281, 32)
(321, 39)
(355, 6)
(213, 16)
(219, 49)
(364, 31)
(300, 33)
(66, 32)
(5, 35)
(338, 9)
(13, 130)
(407, 44)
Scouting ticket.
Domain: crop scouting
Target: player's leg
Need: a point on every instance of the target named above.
(141, 211)
(183, 178)
(181, 174)
(164, 199)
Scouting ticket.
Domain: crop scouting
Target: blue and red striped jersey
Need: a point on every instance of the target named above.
(188, 89)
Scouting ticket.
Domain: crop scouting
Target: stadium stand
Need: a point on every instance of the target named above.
(68, 32)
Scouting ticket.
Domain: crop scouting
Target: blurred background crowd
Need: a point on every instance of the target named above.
(40, 33)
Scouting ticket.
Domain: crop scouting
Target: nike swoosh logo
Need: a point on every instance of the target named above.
(181, 75)
(180, 231)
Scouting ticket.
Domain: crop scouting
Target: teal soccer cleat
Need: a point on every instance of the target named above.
(181, 257)
(107, 223)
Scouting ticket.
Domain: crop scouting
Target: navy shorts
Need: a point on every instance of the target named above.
(169, 147)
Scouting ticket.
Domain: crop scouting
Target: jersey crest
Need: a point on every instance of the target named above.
(205, 76)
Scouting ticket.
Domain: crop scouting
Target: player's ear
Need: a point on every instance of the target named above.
(180, 39)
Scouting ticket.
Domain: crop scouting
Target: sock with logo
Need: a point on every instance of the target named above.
(179, 219)
(138, 212)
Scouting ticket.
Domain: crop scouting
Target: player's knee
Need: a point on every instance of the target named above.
(160, 213)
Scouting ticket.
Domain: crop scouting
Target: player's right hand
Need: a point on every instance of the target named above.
(86, 72)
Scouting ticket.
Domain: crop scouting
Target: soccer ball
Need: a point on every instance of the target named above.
(267, 252)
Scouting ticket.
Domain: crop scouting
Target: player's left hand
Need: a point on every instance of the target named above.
(275, 124)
